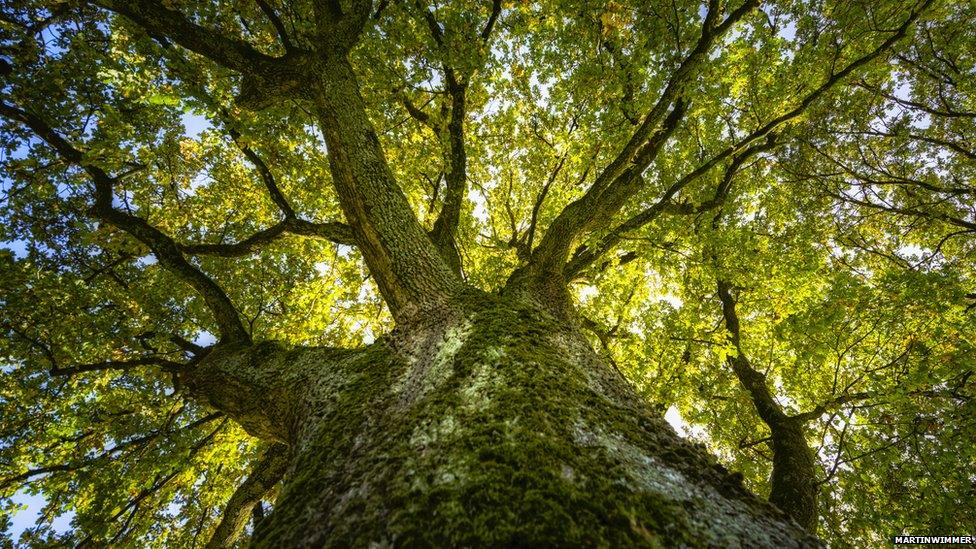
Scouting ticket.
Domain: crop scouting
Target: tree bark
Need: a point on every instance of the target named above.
(793, 480)
(794, 477)
(494, 424)
(405, 263)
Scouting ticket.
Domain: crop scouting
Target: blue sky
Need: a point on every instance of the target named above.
(27, 517)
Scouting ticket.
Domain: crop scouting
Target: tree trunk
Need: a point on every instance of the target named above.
(793, 480)
(493, 425)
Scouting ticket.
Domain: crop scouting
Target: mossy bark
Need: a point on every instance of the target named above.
(793, 479)
(495, 425)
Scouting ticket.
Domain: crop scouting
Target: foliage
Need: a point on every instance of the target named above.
(839, 153)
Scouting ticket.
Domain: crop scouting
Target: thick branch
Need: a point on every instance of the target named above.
(187, 345)
(432, 25)
(339, 26)
(407, 267)
(621, 178)
(163, 247)
(266, 473)
(584, 256)
(159, 19)
(496, 10)
(340, 233)
(279, 27)
(550, 256)
(417, 113)
(540, 200)
(445, 227)
(266, 79)
(793, 478)
(753, 381)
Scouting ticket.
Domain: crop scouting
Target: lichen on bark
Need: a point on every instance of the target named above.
(498, 426)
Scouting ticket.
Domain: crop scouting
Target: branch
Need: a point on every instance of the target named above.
(831, 404)
(949, 112)
(187, 345)
(340, 233)
(889, 177)
(156, 18)
(265, 474)
(584, 256)
(446, 224)
(432, 25)
(167, 365)
(265, 172)
(968, 225)
(835, 78)
(837, 463)
(138, 442)
(408, 268)
(752, 380)
(496, 10)
(340, 23)
(951, 145)
(240, 248)
(743, 444)
(622, 177)
(158, 484)
(152, 360)
(279, 27)
(417, 113)
(266, 79)
(163, 247)
(537, 206)
(550, 256)
(793, 479)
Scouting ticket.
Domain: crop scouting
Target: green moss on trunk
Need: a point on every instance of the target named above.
(503, 428)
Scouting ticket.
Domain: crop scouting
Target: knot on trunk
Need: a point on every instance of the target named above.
(255, 385)
(271, 83)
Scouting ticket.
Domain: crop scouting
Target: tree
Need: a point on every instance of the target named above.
(352, 273)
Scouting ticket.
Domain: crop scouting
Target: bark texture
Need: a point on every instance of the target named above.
(493, 425)
(794, 476)
(406, 265)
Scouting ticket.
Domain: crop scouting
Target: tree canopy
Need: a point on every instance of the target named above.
(761, 209)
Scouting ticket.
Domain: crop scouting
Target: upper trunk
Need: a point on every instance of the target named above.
(407, 267)
(794, 476)
(495, 426)
(794, 480)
